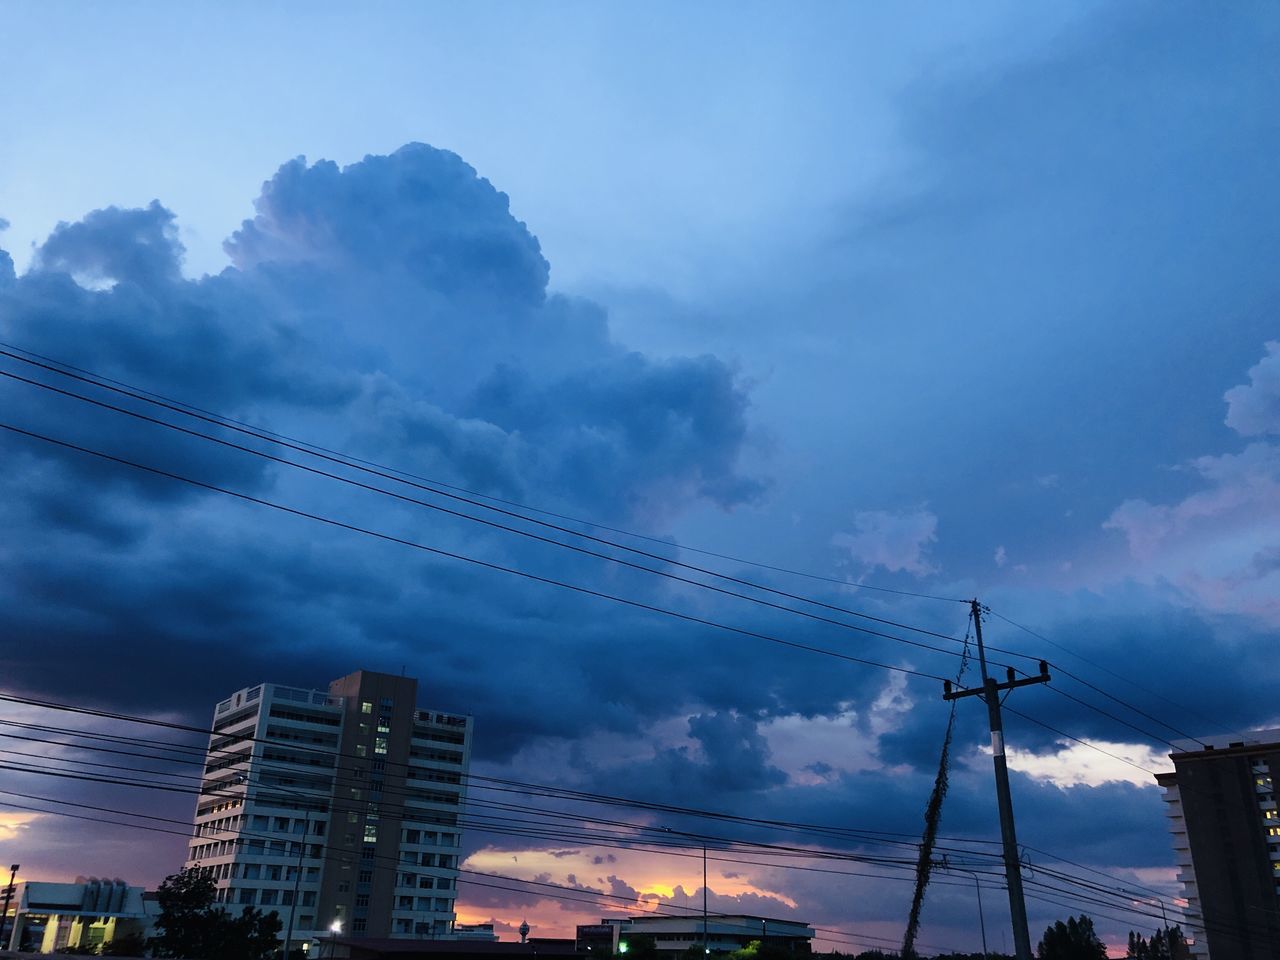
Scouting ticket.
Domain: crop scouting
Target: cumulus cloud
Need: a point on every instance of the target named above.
(394, 309)
(1254, 408)
(1218, 544)
(897, 542)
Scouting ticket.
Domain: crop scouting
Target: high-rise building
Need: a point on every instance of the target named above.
(338, 809)
(1226, 839)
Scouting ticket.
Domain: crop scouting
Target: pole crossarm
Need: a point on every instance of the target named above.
(949, 692)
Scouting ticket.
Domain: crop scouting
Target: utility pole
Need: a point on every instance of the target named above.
(990, 693)
(8, 896)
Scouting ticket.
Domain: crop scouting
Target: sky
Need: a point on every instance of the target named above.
(952, 301)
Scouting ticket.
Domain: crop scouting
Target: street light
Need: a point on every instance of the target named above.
(335, 928)
(244, 779)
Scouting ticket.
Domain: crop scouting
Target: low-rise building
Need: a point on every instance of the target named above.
(717, 933)
(52, 917)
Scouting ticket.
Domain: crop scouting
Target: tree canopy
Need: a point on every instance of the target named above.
(193, 928)
(1073, 940)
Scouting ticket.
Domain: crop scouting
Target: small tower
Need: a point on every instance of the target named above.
(524, 930)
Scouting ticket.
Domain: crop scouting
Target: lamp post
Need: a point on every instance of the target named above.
(335, 928)
(297, 880)
(302, 849)
(705, 949)
(8, 897)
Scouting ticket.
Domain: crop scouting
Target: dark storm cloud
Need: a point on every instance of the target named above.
(395, 308)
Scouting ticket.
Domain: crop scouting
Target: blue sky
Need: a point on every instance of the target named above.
(956, 301)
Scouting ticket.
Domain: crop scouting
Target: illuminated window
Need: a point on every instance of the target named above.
(380, 745)
(361, 750)
(366, 706)
(370, 833)
(1273, 831)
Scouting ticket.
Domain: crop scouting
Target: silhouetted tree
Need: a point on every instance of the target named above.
(1165, 944)
(191, 927)
(1073, 940)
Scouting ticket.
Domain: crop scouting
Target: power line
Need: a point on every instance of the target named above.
(524, 533)
(390, 538)
(118, 386)
(1098, 666)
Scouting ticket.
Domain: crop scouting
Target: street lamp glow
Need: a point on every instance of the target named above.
(335, 927)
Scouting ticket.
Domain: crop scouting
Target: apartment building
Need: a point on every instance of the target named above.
(1226, 837)
(337, 808)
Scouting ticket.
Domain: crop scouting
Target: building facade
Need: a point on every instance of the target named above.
(338, 809)
(1226, 837)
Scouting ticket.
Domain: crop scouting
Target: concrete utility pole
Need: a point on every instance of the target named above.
(990, 693)
(8, 896)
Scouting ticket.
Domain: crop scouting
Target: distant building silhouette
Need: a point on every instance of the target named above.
(356, 786)
(1226, 840)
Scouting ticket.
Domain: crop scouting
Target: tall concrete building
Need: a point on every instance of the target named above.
(1226, 839)
(337, 809)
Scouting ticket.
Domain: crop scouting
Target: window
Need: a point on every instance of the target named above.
(273, 873)
(252, 871)
(412, 836)
(366, 876)
(359, 925)
(370, 833)
(352, 816)
(426, 883)
(387, 703)
(307, 921)
(282, 823)
(248, 896)
(443, 905)
(286, 898)
(362, 899)
(380, 745)
(361, 750)
(1273, 831)
(366, 706)
(368, 854)
(309, 898)
(405, 903)
(384, 724)
(268, 898)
